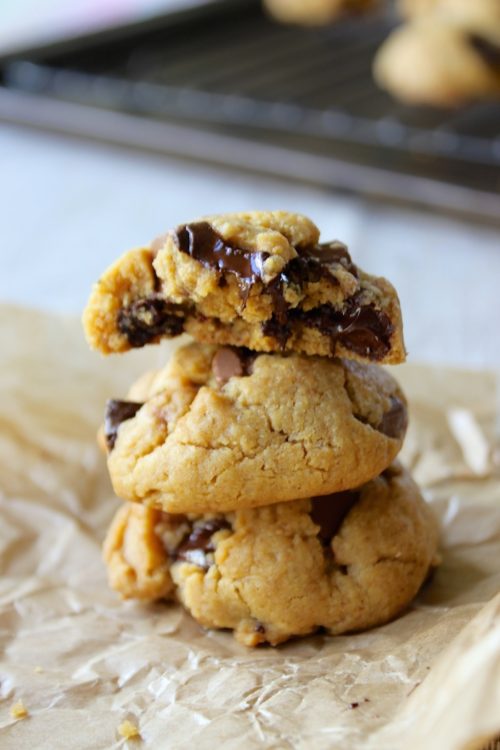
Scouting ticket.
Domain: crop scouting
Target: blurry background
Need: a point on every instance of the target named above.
(120, 118)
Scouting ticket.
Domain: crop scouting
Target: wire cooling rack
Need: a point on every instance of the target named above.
(234, 87)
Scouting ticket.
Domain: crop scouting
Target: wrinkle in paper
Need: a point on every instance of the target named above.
(83, 663)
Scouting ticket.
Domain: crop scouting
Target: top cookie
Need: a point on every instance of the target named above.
(261, 280)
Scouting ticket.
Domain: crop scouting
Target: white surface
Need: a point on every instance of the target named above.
(69, 208)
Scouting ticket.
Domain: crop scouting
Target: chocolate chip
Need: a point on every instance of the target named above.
(230, 362)
(149, 317)
(115, 413)
(354, 705)
(395, 421)
(329, 511)
(488, 50)
(259, 628)
(195, 545)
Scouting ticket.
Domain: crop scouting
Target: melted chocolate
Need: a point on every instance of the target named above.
(360, 328)
(149, 317)
(204, 244)
(115, 413)
(195, 546)
(489, 51)
(395, 421)
(330, 252)
(329, 511)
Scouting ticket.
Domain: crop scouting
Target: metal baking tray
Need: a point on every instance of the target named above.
(229, 85)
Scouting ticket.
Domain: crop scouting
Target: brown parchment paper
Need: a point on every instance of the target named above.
(82, 662)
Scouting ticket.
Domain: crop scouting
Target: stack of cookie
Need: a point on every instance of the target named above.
(258, 465)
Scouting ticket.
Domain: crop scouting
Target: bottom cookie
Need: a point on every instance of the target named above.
(284, 570)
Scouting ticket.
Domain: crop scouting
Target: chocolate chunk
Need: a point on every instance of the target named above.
(230, 362)
(149, 317)
(195, 546)
(330, 252)
(204, 244)
(329, 511)
(488, 50)
(115, 413)
(395, 421)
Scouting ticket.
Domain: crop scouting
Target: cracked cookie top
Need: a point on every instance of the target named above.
(341, 562)
(220, 428)
(262, 280)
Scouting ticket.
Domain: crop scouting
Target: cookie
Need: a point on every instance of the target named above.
(430, 61)
(315, 12)
(342, 563)
(219, 427)
(260, 280)
(478, 16)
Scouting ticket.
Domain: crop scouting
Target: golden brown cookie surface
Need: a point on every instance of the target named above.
(342, 563)
(218, 428)
(261, 280)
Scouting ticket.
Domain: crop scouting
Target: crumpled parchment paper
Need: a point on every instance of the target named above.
(82, 662)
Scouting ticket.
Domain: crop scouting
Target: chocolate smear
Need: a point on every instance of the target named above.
(198, 543)
(395, 421)
(204, 244)
(149, 317)
(115, 413)
(230, 362)
(329, 511)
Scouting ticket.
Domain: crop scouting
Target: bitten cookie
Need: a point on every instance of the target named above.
(342, 563)
(260, 280)
(316, 12)
(219, 428)
(431, 61)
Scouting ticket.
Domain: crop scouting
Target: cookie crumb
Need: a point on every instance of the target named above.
(18, 710)
(129, 730)
(38, 670)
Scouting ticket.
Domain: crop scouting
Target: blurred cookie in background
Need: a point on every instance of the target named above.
(439, 62)
(316, 12)
(477, 15)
